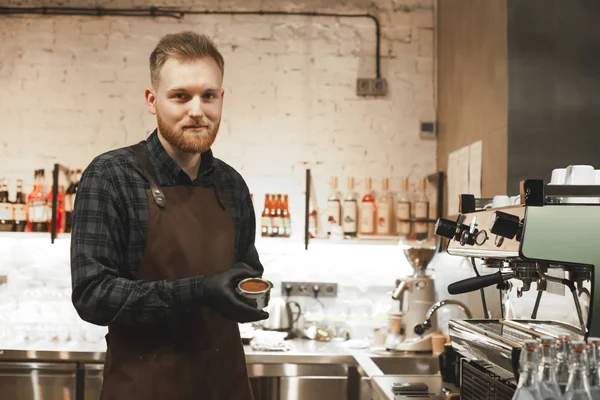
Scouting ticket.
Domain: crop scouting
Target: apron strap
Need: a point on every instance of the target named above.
(218, 192)
(157, 193)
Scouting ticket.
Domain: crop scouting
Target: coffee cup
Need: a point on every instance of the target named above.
(395, 323)
(559, 176)
(581, 175)
(499, 201)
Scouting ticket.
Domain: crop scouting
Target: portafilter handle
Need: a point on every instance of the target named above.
(478, 282)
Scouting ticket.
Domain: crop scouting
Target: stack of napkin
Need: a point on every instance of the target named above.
(270, 341)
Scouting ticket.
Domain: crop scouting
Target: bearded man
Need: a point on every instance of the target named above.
(162, 233)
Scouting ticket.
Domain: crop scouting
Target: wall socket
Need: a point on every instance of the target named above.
(371, 87)
(325, 289)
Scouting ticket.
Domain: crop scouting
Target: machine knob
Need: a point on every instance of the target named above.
(467, 238)
(419, 329)
(505, 225)
(449, 229)
(446, 228)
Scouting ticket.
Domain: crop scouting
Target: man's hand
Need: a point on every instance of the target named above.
(219, 291)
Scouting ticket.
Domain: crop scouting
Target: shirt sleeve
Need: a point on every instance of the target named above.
(101, 295)
(249, 254)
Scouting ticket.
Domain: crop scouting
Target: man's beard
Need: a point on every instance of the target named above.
(193, 142)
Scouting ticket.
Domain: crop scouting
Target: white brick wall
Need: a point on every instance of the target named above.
(72, 87)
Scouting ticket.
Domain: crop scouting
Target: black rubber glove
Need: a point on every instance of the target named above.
(243, 265)
(219, 292)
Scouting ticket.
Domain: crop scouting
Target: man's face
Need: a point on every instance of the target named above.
(187, 102)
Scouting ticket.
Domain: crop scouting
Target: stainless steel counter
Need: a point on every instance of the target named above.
(302, 352)
(347, 372)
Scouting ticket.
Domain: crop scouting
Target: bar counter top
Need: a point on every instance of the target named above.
(302, 352)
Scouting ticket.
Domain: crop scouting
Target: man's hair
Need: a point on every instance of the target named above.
(185, 46)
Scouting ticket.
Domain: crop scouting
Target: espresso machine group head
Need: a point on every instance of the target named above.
(526, 243)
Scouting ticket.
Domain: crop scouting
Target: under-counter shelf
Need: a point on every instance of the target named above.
(33, 380)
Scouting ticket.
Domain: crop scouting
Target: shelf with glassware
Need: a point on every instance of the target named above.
(46, 208)
(373, 218)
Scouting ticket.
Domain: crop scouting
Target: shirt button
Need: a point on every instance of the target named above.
(217, 349)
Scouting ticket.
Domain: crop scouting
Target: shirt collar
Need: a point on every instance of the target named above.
(166, 166)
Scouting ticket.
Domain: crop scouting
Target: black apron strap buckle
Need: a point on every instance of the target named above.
(157, 193)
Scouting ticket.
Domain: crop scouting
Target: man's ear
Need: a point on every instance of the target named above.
(150, 100)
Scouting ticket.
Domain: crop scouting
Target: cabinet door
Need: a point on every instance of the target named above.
(28, 380)
(93, 381)
(313, 388)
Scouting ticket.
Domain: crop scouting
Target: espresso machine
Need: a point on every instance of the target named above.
(416, 295)
(546, 240)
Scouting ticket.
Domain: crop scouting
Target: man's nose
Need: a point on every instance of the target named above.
(195, 110)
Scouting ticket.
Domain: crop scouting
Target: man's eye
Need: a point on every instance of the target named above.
(209, 96)
(180, 96)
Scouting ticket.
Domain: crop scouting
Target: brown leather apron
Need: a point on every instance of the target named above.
(198, 355)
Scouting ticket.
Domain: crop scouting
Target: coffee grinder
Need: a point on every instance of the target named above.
(416, 295)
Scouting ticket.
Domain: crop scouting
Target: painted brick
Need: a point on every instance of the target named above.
(422, 18)
(290, 90)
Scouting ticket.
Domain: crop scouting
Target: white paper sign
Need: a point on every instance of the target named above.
(452, 183)
(475, 156)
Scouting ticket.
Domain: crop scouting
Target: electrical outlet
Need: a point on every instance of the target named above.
(325, 289)
(378, 87)
(371, 87)
(363, 87)
(428, 130)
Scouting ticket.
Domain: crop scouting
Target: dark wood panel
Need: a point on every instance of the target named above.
(554, 86)
(472, 85)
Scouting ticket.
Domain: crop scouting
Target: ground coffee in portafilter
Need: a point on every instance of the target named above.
(254, 286)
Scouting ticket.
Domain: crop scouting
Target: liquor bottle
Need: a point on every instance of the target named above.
(578, 386)
(529, 386)
(265, 219)
(313, 224)
(6, 208)
(37, 205)
(385, 204)
(403, 210)
(421, 211)
(275, 215)
(279, 216)
(20, 209)
(368, 211)
(547, 372)
(594, 367)
(60, 209)
(69, 203)
(350, 217)
(563, 349)
(287, 220)
(334, 207)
